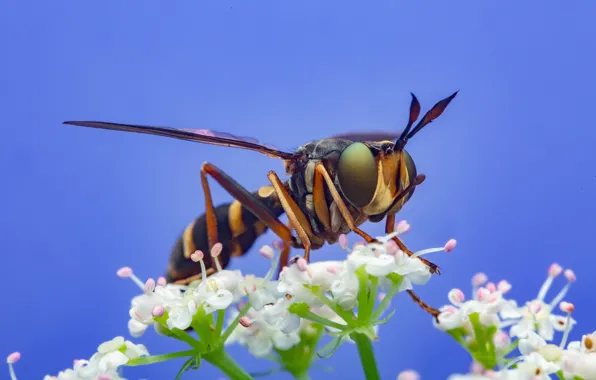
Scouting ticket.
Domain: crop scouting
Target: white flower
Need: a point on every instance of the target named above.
(536, 365)
(294, 279)
(345, 288)
(259, 336)
(277, 316)
(537, 315)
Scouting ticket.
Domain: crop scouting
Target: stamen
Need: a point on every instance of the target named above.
(274, 264)
(391, 247)
(267, 252)
(482, 294)
(503, 286)
(149, 286)
(408, 375)
(456, 296)
(402, 227)
(126, 272)
(553, 271)
(245, 321)
(535, 307)
(343, 241)
(491, 287)
(450, 245)
(567, 307)
(479, 279)
(302, 264)
(559, 297)
(570, 275)
(157, 311)
(215, 251)
(427, 251)
(10, 360)
(198, 256)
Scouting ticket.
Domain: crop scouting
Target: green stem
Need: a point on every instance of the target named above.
(324, 321)
(234, 323)
(227, 365)
(221, 315)
(301, 376)
(347, 316)
(385, 302)
(159, 358)
(367, 356)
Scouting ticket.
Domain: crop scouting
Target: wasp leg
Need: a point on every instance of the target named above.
(285, 254)
(295, 215)
(389, 228)
(429, 309)
(343, 209)
(246, 198)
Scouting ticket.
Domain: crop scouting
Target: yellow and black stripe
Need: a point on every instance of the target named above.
(237, 230)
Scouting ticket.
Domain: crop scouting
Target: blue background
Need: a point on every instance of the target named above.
(510, 166)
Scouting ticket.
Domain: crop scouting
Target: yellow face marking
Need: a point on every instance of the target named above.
(237, 226)
(187, 242)
(319, 201)
(387, 186)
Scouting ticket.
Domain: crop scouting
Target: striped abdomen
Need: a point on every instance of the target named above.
(237, 231)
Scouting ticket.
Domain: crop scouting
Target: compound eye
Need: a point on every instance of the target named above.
(357, 174)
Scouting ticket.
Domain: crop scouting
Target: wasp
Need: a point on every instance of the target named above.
(335, 185)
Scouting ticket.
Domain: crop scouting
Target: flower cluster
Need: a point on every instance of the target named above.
(490, 327)
(103, 365)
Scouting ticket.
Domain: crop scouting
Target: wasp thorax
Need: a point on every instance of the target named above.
(357, 174)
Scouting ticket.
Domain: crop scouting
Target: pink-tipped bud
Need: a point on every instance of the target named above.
(245, 321)
(333, 270)
(343, 241)
(13, 358)
(124, 272)
(197, 256)
(149, 286)
(570, 275)
(381, 296)
(491, 287)
(450, 245)
(476, 368)
(402, 227)
(267, 252)
(479, 279)
(456, 296)
(408, 375)
(566, 307)
(161, 281)
(535, 307)
(391, 247)
(504, 286)
(501, 339)
(104, 377)
(157, 311)
(554, 270)
(302, 264)
(216, 249)
(483, 294)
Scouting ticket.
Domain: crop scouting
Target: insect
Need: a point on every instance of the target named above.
(335, 184)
